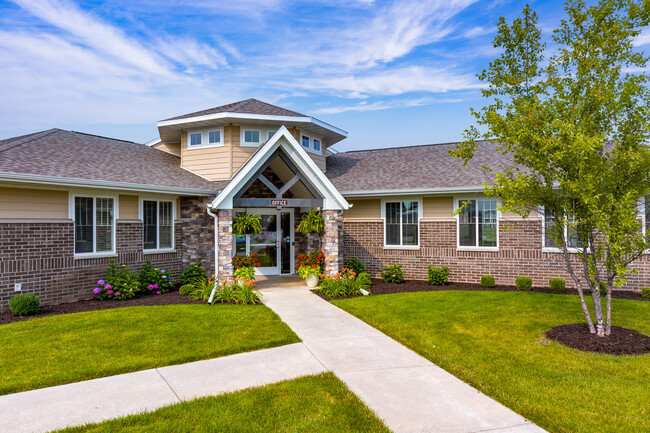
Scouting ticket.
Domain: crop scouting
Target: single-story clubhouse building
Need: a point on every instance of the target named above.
(70, 202)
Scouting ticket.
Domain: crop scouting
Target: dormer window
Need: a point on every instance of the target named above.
(310, 144)
(251, 137)
(205, 138)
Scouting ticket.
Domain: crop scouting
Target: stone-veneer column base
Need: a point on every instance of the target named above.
(225, 243)
(331, 241)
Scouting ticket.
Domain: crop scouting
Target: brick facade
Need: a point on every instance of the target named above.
(520, 253)
(40, 256)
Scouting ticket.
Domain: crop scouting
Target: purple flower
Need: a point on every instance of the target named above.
(155, 286)
(117, 293)
(107, 286)
(100, 282)
(97, 291)
(158, 292)
(163, 271)
(150, 287)
(110, 292)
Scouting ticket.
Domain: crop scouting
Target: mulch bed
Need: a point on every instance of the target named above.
(621, 341)
(379, 287)
(170, 298)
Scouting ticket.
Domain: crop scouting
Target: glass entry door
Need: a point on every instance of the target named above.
(271, 244)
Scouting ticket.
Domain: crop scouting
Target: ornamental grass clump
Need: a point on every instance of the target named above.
(487, 281)
(24, 304)
(392, 274)
(524, 283)
(344, 283)
(438, 276)
(153, 280)
(557, 285)
(120, 283)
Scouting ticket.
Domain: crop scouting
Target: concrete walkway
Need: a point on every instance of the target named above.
(115, 396)
(407, 391)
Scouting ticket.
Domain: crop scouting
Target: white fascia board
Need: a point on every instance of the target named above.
(122, 186)
(224, 200)
(413, 191)
(224, 115)
(153, 142)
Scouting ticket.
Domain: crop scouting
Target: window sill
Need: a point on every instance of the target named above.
(159, 251)
(204, 146)
(401, 247)
(553, 250)
(485, 249)
(94, 256)
(310, 150)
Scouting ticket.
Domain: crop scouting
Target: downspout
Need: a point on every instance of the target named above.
(208, 209)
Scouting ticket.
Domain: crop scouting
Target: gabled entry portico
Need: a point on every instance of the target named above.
(278, 182)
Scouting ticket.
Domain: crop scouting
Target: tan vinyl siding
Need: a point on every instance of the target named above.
(21, 203)
(511, 215)
(369, 209)
(319, 160)
(129, 207)
(437, 207)
(212, 163)
(173, 148)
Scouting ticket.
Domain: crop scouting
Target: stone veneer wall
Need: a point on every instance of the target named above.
(331, 238)
(225, 243)
(40, 256)
(198, 233)
(520, 253)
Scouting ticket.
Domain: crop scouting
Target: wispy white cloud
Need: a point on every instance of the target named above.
(384, 105)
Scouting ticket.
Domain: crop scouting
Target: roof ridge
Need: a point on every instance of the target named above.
(29, 138)
(102, 136)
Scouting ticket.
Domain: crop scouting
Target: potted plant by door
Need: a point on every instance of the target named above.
(310, 274)
(245, 224)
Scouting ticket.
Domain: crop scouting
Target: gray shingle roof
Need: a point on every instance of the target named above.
(413, 167)
(69, 154)
(248, 106)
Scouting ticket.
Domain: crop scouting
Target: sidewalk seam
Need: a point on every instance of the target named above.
(168, 385)
(315, 357)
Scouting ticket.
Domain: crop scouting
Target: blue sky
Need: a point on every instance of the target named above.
(390, 73)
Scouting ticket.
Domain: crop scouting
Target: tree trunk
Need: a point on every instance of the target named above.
(598, 311)
(576, 280)
(608, 325)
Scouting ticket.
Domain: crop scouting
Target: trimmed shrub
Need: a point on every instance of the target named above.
(645, 292)
(195, 272)
(557, 285)
(392, 274)
(488, 281)
(524, 283)
(603, 288)
(24, 305)
(356, 265)
(438, 276)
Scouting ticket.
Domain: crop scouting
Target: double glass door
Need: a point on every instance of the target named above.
(274, 245)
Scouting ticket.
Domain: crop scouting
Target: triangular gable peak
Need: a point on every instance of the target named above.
(304, 170)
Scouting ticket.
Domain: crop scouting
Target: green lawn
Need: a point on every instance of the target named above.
(489, 339)
(68, 348)
(319, 403)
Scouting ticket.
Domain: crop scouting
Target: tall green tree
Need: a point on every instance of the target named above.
(575, 119)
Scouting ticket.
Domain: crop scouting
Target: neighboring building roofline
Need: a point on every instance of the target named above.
(413, 191)
(153, 142)
(88, 183)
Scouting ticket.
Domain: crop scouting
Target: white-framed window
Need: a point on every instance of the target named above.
(94, 219)
(158, 217)
(255, 136)
(205, 138)
(269, 134)
(401, 222)
(478, 223)
(574, 243)
(310, 143)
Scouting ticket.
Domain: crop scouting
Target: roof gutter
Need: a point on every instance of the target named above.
(87, 183)
(413, 191)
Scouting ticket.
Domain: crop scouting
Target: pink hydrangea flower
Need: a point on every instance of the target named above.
(110, 292)
(393, 275)
(117, 293)
(107, 286)
(150, 287)
(383, 272)
(155, 286)
(158, 292)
